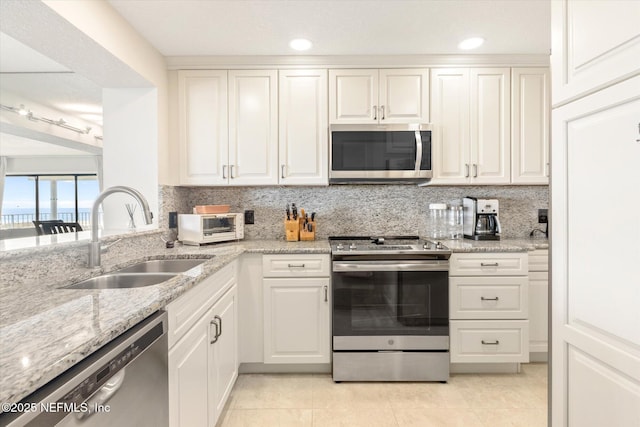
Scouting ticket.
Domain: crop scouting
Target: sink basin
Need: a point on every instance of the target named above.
(119, 280)
(163, 266)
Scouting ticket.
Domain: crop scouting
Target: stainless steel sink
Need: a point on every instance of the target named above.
(163, 266)
(120, 280)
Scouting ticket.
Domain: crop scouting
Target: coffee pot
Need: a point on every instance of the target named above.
(480, 219)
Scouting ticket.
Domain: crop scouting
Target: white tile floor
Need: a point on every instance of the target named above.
(514, 400)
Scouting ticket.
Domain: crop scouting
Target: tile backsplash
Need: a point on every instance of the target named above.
(358, 209)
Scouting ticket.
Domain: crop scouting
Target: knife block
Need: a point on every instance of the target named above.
(308, 235)
(292, 230)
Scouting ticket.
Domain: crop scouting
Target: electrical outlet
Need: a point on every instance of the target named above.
(543, 216)
(248, 217)
(173, 219)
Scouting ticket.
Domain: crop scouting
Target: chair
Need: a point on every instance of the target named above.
(39, 225)
(56, 227)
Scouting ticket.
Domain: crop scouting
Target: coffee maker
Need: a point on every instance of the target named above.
(480, 219)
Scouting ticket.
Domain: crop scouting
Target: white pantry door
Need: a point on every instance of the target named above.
(595, 201)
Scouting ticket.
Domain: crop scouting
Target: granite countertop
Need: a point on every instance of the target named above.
(504, 245)
(45, 330)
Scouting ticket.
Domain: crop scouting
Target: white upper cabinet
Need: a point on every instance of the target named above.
(379, 96)
(253, 127)
(202, 101)
(303, 128)
(597, 43)
(451, 152)
(471, 126)
(490, 125)
(530, 125)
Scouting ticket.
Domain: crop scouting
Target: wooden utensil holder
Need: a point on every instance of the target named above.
(308, 235)
(292, 230)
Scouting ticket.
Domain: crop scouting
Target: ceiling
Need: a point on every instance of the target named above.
(339, 27)
(265, 27)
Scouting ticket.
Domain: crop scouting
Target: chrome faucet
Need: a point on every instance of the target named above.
(94, 246)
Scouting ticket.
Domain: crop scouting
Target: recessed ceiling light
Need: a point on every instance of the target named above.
(471, 43)
(300, 44)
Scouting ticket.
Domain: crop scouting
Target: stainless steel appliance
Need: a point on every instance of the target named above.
(124, 383)
(480, 219)
(380, 154)
(200, 229)
(390, 309)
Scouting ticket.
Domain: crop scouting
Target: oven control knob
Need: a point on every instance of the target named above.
(352, 246)
(425, 246)
(439, 245)
(340, 246)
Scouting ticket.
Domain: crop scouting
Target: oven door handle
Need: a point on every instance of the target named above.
(345, 266)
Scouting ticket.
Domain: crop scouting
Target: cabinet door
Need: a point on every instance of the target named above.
(303, 128)
(296, 320)
(404, 96)
(538, 311)
(204, 137)
(594, 43)
(353, 96)
(595, 315)
(189, 377)
(530, 125)
(490, 125)
(225, 350)
(253, 127)
(450, 117)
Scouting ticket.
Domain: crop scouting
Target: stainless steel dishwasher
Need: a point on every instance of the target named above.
(122, 384)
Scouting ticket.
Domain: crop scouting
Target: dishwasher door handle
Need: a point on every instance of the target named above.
(104, 394)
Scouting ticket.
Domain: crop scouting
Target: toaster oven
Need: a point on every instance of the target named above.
(200, 229)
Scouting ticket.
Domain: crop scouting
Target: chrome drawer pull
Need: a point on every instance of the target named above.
(489, 264)
(496, 342)
(326, 294)
(296, 265)
(489, 299)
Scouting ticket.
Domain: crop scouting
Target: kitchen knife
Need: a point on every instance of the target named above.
(295, 211)
(313, 216)
(288, 213)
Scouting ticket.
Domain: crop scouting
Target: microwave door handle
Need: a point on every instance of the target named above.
(418, 151)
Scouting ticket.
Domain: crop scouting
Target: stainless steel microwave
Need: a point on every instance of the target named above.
(380, 153)
(199, 229)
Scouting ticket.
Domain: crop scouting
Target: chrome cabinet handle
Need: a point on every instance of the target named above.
(382, 112)
(216, 317)
(375, 112)
(466, 169)
(231, 171)
(489, 299)
(475, 170)
(296, 265)
(548, 166)
(224, 171)
(489, 264)
(326, 293)
(216, 335)
(282, 172)
(638, 140)
(496, 342)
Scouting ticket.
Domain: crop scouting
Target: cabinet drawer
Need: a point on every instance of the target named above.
(489, 341)
(488, 264)
(539, 260)
(312, 265)
(488, 297)
(185, 311)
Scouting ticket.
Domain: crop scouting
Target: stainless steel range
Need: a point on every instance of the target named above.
(390, 309)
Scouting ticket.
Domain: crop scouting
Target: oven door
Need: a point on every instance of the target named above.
(383, 305)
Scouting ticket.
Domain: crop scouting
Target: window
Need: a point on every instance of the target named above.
(46, 197)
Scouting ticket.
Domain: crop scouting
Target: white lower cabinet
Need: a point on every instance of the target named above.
(203, 360)
(296, 312)
(489, 308)
(538, 304)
